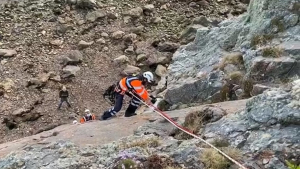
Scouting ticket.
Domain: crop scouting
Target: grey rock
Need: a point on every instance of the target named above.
(141, 57)
(259, 89)
(72, 57)
(167, 47)
(69, 71)
(268, 122)
(88, 4)
(121, 59)
(7, 53)
(159, 127)
(83, 44)
(149, 8)
(189, 33)
(130, 70)
(160, 70)
(129, 50)
(271, 69)
(292, 48)
(194, 90)
(207, 49)
(135, 12)
(95, 15)
(57, 42)
(118, 35)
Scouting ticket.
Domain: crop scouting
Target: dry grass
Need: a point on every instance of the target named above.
(151, 142)
(159, 162)
(127, 164)
(232, 152)
(247, 86)
(220, 142)
(214, 160)
(274, 52)
(193, 122)
(259, 40)
(236, 77)
(278, 23)
(172, 167)
(235, 58)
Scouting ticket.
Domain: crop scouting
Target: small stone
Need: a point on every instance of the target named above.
(149, 8)
(157, 20)
(130, 50)
(130, 70)
(112, 16)
(161, 70)
(7, 53)
(141, 57)
(83, 44)
(95, 15)
(105, 48)
(70, 71)
(118, 35)
(104, 34)
(101, 41)
(56, 42)
(193, 4)
(266, 161)
(121, 59)
(136, 12)
(3, 62)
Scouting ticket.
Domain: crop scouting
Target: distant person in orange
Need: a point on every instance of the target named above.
(63, 95)
(130, 85)
(87, 117)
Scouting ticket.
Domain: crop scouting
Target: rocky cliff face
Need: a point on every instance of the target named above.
(267, 38)
(263, 135)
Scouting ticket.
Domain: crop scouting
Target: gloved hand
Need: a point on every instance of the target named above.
(153, 99)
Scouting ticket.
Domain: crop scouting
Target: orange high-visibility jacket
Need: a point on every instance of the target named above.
(135, 84)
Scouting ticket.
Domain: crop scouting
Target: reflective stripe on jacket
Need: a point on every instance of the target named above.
(135, 84)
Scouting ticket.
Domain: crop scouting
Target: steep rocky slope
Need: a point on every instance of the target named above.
(259, 47)
(85, 45)
(263, 135)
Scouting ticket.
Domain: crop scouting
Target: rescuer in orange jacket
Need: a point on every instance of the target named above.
(128, 85)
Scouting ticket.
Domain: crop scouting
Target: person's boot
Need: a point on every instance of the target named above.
(106, 115)
(130, 111)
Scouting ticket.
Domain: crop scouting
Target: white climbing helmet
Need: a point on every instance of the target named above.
(87, 111)
(149, 76)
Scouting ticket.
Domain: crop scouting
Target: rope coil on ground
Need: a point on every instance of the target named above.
(187, 131)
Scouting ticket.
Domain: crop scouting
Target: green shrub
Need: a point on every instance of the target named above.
(291, 165)
(213, 160)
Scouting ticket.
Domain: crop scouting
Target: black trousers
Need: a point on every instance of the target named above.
(134, 104)
(63, 99)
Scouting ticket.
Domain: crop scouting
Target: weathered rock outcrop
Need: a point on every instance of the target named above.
(270, 122)
(265, 133)
(273, 24)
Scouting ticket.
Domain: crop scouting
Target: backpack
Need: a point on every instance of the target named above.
(109, 94)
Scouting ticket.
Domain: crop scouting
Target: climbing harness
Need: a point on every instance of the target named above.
(187, 131)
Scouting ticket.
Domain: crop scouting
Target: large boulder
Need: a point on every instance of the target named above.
(267, 21)
(270, 122)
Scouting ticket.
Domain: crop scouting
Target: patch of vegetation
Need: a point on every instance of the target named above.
(278, 23)
(214, 160)
(233, 58)
(233, 153)
(159, 162)
(296, 8)
(274, 52)
(259, 40)
(220, 142)
(151, 142)
(127, 164)
(247, 86)
(236, 77)
(193, 122)
(292, 165)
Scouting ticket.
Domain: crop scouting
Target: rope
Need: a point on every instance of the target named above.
(187, 131)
